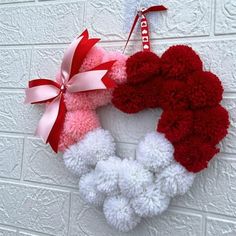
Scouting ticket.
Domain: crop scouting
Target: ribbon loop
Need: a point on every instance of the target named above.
(68, 79)
(144, 29)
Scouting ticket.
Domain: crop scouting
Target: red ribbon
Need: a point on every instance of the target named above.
(71, 80)
(144, 26)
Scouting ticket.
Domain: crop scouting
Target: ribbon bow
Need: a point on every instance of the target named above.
(144, 25)
(68, 79)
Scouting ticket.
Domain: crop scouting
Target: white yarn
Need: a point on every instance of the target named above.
(155, 152)
(120, 214)
(97, 145)
(175, 180)
(150, 203)
(126, 188)
(133, 178)
(88, 191)
(107, 175)
(74, 161)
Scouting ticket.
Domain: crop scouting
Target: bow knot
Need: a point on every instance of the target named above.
(71, 80)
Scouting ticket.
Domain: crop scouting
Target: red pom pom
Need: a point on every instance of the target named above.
(151, 92)
(127, 99)
(176, 125)
(194, 154)
(142, 66)
(211, 124)
(180, 61)
(173, 95)
(204, 89)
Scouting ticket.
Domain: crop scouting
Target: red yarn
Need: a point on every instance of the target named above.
(179, 61)
(211, 124)
(142, 66)
(194, 153)
(151, 92)
(176, 125)
(192, 120)
(128, 99)
(173, 95)
(204, 89)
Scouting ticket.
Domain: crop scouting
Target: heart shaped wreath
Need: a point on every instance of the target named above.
(192, 123)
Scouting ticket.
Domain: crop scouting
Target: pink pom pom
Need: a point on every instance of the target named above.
(77, 124)
(88, 100)
(118, 71)
(93, 58)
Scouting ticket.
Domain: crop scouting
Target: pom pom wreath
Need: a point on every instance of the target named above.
(107, 175)
(150, 203)
(179, 61)
(120, 214)
(154, 152)
(118, 70)
(211, 124)
(173, 95)
(176, 125)
(76, 125)
(142, 66)
(133, 178)
(88, 191)
(194, 153)
(175, 180)
(97, 145)
(74, 161)
(127, 99)
(204, 89)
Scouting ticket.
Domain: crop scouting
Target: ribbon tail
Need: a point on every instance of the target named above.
(54, 136)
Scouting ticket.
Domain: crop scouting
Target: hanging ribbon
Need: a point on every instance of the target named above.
(144, 25)
(68, 79)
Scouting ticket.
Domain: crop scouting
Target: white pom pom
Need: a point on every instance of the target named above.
(97, 145)
(107, 175)
(120, 214)
(175, 180)
(155, 152)
(88, 190)
(150, 203)
(133, 178)
(74, 161)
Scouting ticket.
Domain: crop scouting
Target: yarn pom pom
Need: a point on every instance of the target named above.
(175, 180)
(142, 66)
(118, 70)
(173, 95)
(179, 61)
(154, 152)
(88, 191)
(74, 162)
(119, 213)
(127, 99)
(133, 178)
(176, 125)
(204, 89)
(97, 145)
(211, 124)
(194, 153)
(150, 203)
(93, 58)
(107, 175)
(76, 125)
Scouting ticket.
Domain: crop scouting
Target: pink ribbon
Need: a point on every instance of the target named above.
(69, 79)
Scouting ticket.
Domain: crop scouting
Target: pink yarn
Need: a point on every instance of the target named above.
(81, 116)
(77, 124)
(118, 71)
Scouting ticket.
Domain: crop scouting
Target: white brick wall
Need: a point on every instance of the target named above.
(37, 195)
